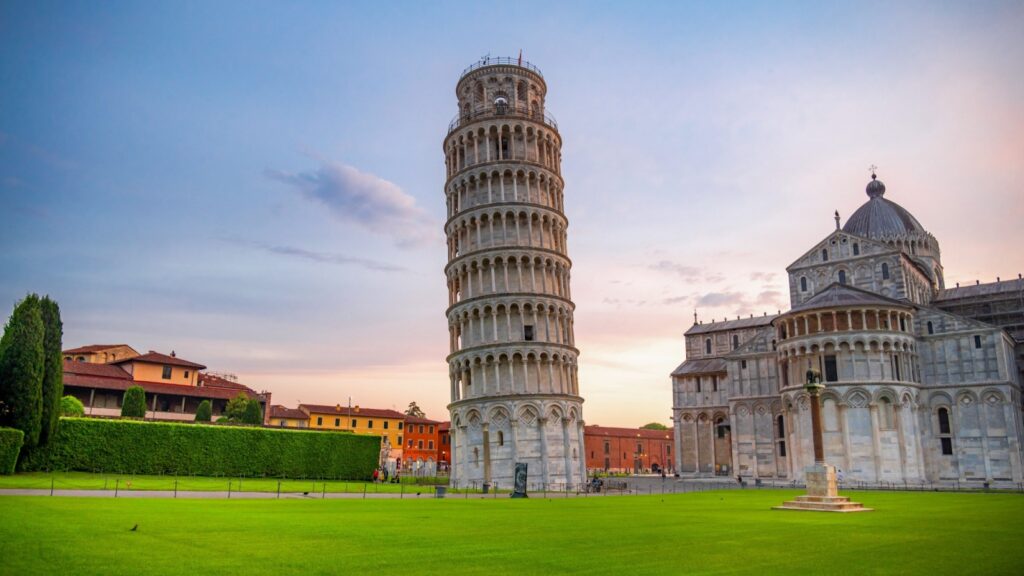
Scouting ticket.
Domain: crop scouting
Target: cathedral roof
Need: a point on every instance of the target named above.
(977, 290)
(881, 219)
(839, 295)
(700, 366)
(737, 324)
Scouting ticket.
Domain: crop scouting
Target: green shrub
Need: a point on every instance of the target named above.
(204, 412)
(253, 414)
(235, 410)
(10, 445)
(71, 406)
(134, 403)
(53, 369)
(21, 370)
(138, 447)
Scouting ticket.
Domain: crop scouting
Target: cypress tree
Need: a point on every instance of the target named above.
(53, 368)
(204, 412)
(134, 403)
(253, 415)
(21, 370)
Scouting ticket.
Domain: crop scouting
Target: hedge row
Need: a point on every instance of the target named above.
(135, 447)
(10, 445)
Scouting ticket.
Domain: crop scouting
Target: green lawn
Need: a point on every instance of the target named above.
(726, 532)
(90, 481)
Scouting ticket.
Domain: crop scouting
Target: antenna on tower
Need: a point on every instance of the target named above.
(694, 315)
(873, 169)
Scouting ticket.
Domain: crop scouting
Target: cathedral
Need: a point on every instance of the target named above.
(922, 382)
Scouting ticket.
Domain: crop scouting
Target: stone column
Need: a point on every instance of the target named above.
(487, 453)
(567, 455)
(678, 433)
(542, 426)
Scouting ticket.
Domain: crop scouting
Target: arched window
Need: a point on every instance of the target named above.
(885, 271)
(803, 284)
(780, 426)
(943, 421)
(945, 438)
(885, 416)
(824, 254)
(856, 249)
(707, 346)
(842, 276)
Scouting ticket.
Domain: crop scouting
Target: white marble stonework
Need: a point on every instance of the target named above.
(512, 367)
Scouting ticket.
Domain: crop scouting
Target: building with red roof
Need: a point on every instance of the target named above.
(628, 449)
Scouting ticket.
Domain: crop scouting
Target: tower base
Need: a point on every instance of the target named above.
(822, 493)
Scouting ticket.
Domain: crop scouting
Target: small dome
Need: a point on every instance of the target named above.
(879, 218)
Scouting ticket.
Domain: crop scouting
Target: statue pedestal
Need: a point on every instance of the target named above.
(822, 493)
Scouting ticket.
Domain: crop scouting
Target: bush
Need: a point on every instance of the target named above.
(138, 447)
(204, 412)
(235, 410)
(71, 406)
(134, 403)
(21, 370)
(10, 445)
(253, 414)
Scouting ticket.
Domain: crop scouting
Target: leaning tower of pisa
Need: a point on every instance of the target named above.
(515, 394)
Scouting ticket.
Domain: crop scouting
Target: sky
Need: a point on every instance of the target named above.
(259, 186)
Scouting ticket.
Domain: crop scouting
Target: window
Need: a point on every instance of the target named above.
(639, 448)
(282, 423)
(782, 449)
(831, 368)
(931, 329)
(337, 422)
(399, 440)
(947, 446)
(353, 422)
(714, 383)
(785, 374)
(943, 421)
(896, 367)
(430, 443)
(386, 424)
(319, 421)
(186, 373)
(707, 346)
(780, 427)
(743, 364)
(501, 439)
(419, 444)
(977, 341)
(856, 249)
(735, 342)
(903, 324)
(167, 373)
(430, 429)
(607, 447)
(842, 276)
(369, 423)
(698, 383)
(421, 428)
(410, 443)
(803, 284)
(885, 271)
(824, 254)
(885, 416)
(399, 425)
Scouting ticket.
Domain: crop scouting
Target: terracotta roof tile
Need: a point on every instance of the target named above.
(152, 357)
(356, 411)
(626, 432)
(93, 348)
(278, 411)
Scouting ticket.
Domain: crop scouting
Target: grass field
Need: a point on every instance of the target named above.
(725, 532)
(90, 481)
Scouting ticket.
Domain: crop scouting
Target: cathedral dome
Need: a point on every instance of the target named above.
(880, 219)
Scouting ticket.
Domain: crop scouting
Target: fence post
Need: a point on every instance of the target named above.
(324, 493)
(229, 489)
(175, 487)
(117, 484)
(278, 489)
(364, 491)
(51, 484)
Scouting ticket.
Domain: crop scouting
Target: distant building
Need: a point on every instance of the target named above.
(444, 445)
(388, 424)
(420, 454)
(631, 450)
(922, 382)
(100, 353)
(284, 417)
(174, 387)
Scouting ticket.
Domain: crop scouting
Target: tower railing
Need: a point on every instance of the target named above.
(498, 111)
(495, 61)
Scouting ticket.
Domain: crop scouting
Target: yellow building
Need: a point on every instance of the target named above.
(387, 424)
(157, 367)
(100, 353)
(288, 417)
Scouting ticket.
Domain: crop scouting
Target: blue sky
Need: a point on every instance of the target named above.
(259, 186)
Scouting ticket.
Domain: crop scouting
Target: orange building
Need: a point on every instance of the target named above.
(444, 443)
(421, 446)
(628, 449)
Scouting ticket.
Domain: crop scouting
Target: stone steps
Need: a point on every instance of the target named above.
(823, 504)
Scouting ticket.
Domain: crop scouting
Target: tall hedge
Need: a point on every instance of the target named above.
(21, 370)
(138, 447)
(53, 368)
(134, 403)
(10, 445)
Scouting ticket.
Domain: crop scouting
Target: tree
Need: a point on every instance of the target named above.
(134, 404)
(235, 411)
(253, 414)
(53, 369)
(414, 410)
(21, 370)
(654, 426)
(71, 406)
(204, 412)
